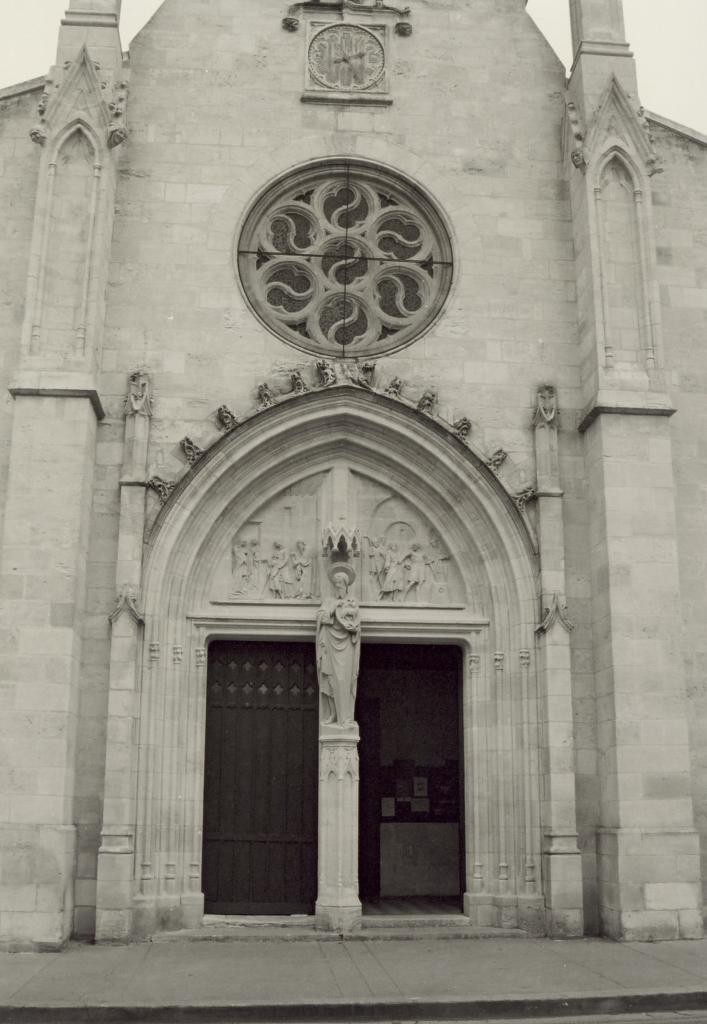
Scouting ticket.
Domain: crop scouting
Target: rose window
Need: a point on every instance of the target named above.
(345, 259)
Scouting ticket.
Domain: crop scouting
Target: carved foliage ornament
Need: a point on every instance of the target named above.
(345, 259)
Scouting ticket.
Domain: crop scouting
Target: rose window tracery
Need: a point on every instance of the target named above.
(345, 260)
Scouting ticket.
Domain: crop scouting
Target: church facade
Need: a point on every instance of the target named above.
(351, 476)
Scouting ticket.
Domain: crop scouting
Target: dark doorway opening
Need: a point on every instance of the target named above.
(260, 780)
(411, 827)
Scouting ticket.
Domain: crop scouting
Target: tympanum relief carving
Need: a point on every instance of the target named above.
(279, 555)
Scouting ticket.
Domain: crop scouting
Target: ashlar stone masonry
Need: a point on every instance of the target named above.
(352, 533)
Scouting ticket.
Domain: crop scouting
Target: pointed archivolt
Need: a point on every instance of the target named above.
(619, 125)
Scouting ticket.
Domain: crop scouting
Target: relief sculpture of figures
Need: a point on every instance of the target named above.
(286, 574)
(302, 566)
(392, 585)
(279, 578)
(240, 567)
(415, 572)
(404, 574)
(339, 650)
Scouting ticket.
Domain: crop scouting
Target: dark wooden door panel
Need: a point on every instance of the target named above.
(260, 781)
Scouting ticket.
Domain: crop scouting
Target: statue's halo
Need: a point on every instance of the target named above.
(342, 569)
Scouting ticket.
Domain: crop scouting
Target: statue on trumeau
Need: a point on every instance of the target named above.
(339, 650)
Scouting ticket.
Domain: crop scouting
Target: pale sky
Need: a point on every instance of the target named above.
(667, 37)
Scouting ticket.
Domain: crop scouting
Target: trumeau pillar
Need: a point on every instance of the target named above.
(116, 856)
(338, 907)
(649, 883)
(51, 466)
(562, 868)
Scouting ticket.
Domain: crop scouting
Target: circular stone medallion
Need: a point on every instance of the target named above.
(347, 58)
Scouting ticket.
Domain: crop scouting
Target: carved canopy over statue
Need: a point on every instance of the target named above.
(339, 650)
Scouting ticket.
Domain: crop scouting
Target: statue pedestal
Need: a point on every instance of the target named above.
(338, 907)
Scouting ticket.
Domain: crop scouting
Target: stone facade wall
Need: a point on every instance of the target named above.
(18, 186)
(680, 203)
(215, 113)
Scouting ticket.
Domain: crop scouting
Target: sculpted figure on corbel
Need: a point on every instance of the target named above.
(546, 423)
(139, 398)
(338, 649)
(546, 412)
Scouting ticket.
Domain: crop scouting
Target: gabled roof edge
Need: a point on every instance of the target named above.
(31, 85)
(677, 128)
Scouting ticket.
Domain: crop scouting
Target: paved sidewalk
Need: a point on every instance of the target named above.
(280, 980)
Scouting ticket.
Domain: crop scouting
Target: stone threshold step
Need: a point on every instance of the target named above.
(391, 930)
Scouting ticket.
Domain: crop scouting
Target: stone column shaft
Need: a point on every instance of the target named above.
(116, 858)
(338, 905)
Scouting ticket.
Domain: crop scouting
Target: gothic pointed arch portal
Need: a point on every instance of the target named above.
(348, 455)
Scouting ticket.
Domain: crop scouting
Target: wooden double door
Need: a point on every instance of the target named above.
(260, 788)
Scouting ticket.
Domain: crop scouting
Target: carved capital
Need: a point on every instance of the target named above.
(299, 385)
(394, 388)
(474, 663)
(200, 657)
(227, 421)
(326, 373)
(498, 660)
(265, 398)
(524, 659)
(556, 612)
(155, 651)
(192, 450)
(522, 498)
(428, 403)
(339, 760)
(163, 488)
(127, 601)
(496, 459)
(177, 654)
(462, 428)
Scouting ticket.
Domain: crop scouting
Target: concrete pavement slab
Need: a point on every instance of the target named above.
(348, 981)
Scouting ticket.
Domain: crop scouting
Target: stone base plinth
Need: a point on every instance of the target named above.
(494, 910)
(37, 886)
(649, 884)
(340, 919)
(562, 875)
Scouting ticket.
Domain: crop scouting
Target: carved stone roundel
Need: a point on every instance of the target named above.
(346, 57)
(345, 259)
